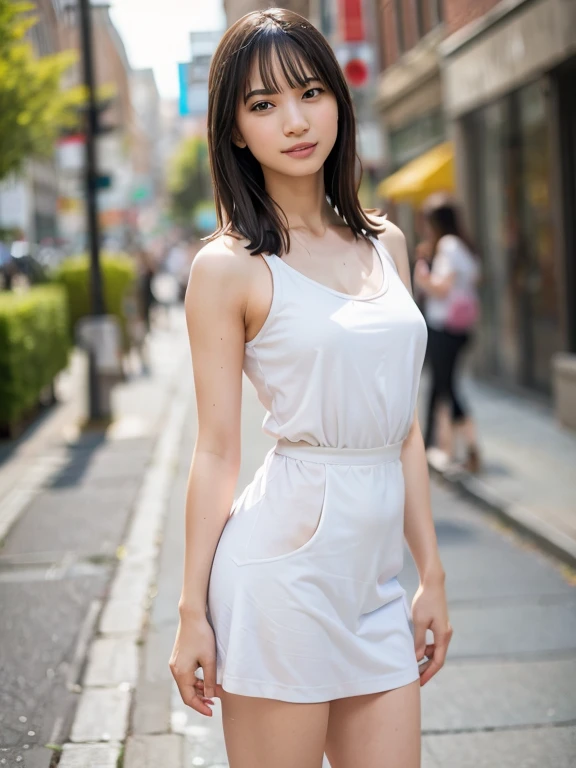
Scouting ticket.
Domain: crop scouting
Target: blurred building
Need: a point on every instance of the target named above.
(409, 99)
(351, 28)
(29, 200)
(147, 161)
(193, 76)
(122, 143)
(510, 97)
(479, 96)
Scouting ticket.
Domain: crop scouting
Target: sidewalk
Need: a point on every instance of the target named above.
(529, 467)
(81, 514)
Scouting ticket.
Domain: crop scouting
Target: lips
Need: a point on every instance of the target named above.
(306, 145)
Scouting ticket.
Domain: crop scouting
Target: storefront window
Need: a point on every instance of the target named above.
(495, 233)
(413, 139)
(510, 169)
(543, 336)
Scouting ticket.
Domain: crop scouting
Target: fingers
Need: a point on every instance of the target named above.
(193, 700)
(419, 639)
(209, 670)
(191, 694)
(201, 693)
(437, 655)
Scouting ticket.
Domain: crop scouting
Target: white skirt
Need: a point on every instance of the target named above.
(303, 595)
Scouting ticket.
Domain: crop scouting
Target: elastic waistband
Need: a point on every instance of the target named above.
(325, 455)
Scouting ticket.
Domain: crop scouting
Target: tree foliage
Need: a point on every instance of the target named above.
(189, 180)
(33, 107)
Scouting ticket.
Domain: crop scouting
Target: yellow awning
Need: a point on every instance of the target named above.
(431, 172)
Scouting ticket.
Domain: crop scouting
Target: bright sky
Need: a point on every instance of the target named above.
(155, 33)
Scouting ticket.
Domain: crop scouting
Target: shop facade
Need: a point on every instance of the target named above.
(510, 100)
(409, 104)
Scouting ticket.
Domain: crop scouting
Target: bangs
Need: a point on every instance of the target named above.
(278, 52)
(285, 50)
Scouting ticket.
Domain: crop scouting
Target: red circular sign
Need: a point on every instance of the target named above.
(356, 72)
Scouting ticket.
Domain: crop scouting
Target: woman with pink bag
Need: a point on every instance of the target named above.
(449, 283)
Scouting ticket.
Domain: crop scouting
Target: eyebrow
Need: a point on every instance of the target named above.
(266, 92)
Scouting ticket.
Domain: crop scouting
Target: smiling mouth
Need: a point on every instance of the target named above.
(300, 150)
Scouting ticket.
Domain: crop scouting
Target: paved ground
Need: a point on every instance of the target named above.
(506, 695)
(523, 448)
(58, 557)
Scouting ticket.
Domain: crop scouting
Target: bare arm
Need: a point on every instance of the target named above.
(215, 306)
(431, 284)
(214, 303)
(418, 521)
(430, 281)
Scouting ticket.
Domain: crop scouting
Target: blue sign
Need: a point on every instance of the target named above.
(183, 106)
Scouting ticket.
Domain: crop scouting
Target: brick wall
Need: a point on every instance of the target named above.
(389, 36)
(417, 17)
(458, 13)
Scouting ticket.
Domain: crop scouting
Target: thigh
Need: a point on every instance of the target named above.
(380, 730)
(260, 733)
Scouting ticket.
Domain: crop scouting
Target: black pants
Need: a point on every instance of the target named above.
(443, 352)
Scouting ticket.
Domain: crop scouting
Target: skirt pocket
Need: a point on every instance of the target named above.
(289, 516)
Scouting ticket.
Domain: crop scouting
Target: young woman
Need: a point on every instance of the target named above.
(451, 309)
(290, 603)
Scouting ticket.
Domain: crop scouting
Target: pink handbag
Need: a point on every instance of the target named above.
(463, 312)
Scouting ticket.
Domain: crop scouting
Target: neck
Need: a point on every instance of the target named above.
(302, 199)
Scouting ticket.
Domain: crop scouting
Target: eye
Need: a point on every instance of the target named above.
(320, 90)
(256, 107)
(259, 104)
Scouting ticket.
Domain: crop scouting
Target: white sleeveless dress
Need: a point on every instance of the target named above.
(303, 596)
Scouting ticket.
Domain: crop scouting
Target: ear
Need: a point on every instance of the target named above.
(237, 139)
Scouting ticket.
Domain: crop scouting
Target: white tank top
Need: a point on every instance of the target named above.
(337, 370)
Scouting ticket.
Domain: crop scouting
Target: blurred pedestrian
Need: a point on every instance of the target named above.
(448, 278)
(146, 271)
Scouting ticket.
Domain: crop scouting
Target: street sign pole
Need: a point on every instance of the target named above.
(91, 175)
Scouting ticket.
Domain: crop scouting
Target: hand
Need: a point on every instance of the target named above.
(430, 611)
(195, 647)
(424, 250)
(421, 273)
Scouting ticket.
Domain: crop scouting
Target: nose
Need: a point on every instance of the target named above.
(295, 121)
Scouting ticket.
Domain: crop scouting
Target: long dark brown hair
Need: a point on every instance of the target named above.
(243, 207)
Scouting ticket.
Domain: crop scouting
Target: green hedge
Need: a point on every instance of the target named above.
(118, 275)
(34, 346)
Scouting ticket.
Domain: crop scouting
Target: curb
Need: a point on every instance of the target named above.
(101, 721)
(546, 536)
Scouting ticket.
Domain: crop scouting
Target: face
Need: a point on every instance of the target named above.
(269, 124)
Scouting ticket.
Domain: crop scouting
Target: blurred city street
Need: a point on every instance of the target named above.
(464, 110)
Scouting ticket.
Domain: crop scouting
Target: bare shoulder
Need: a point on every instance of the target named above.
(221, 258)
(221, 267)
(393, 239)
